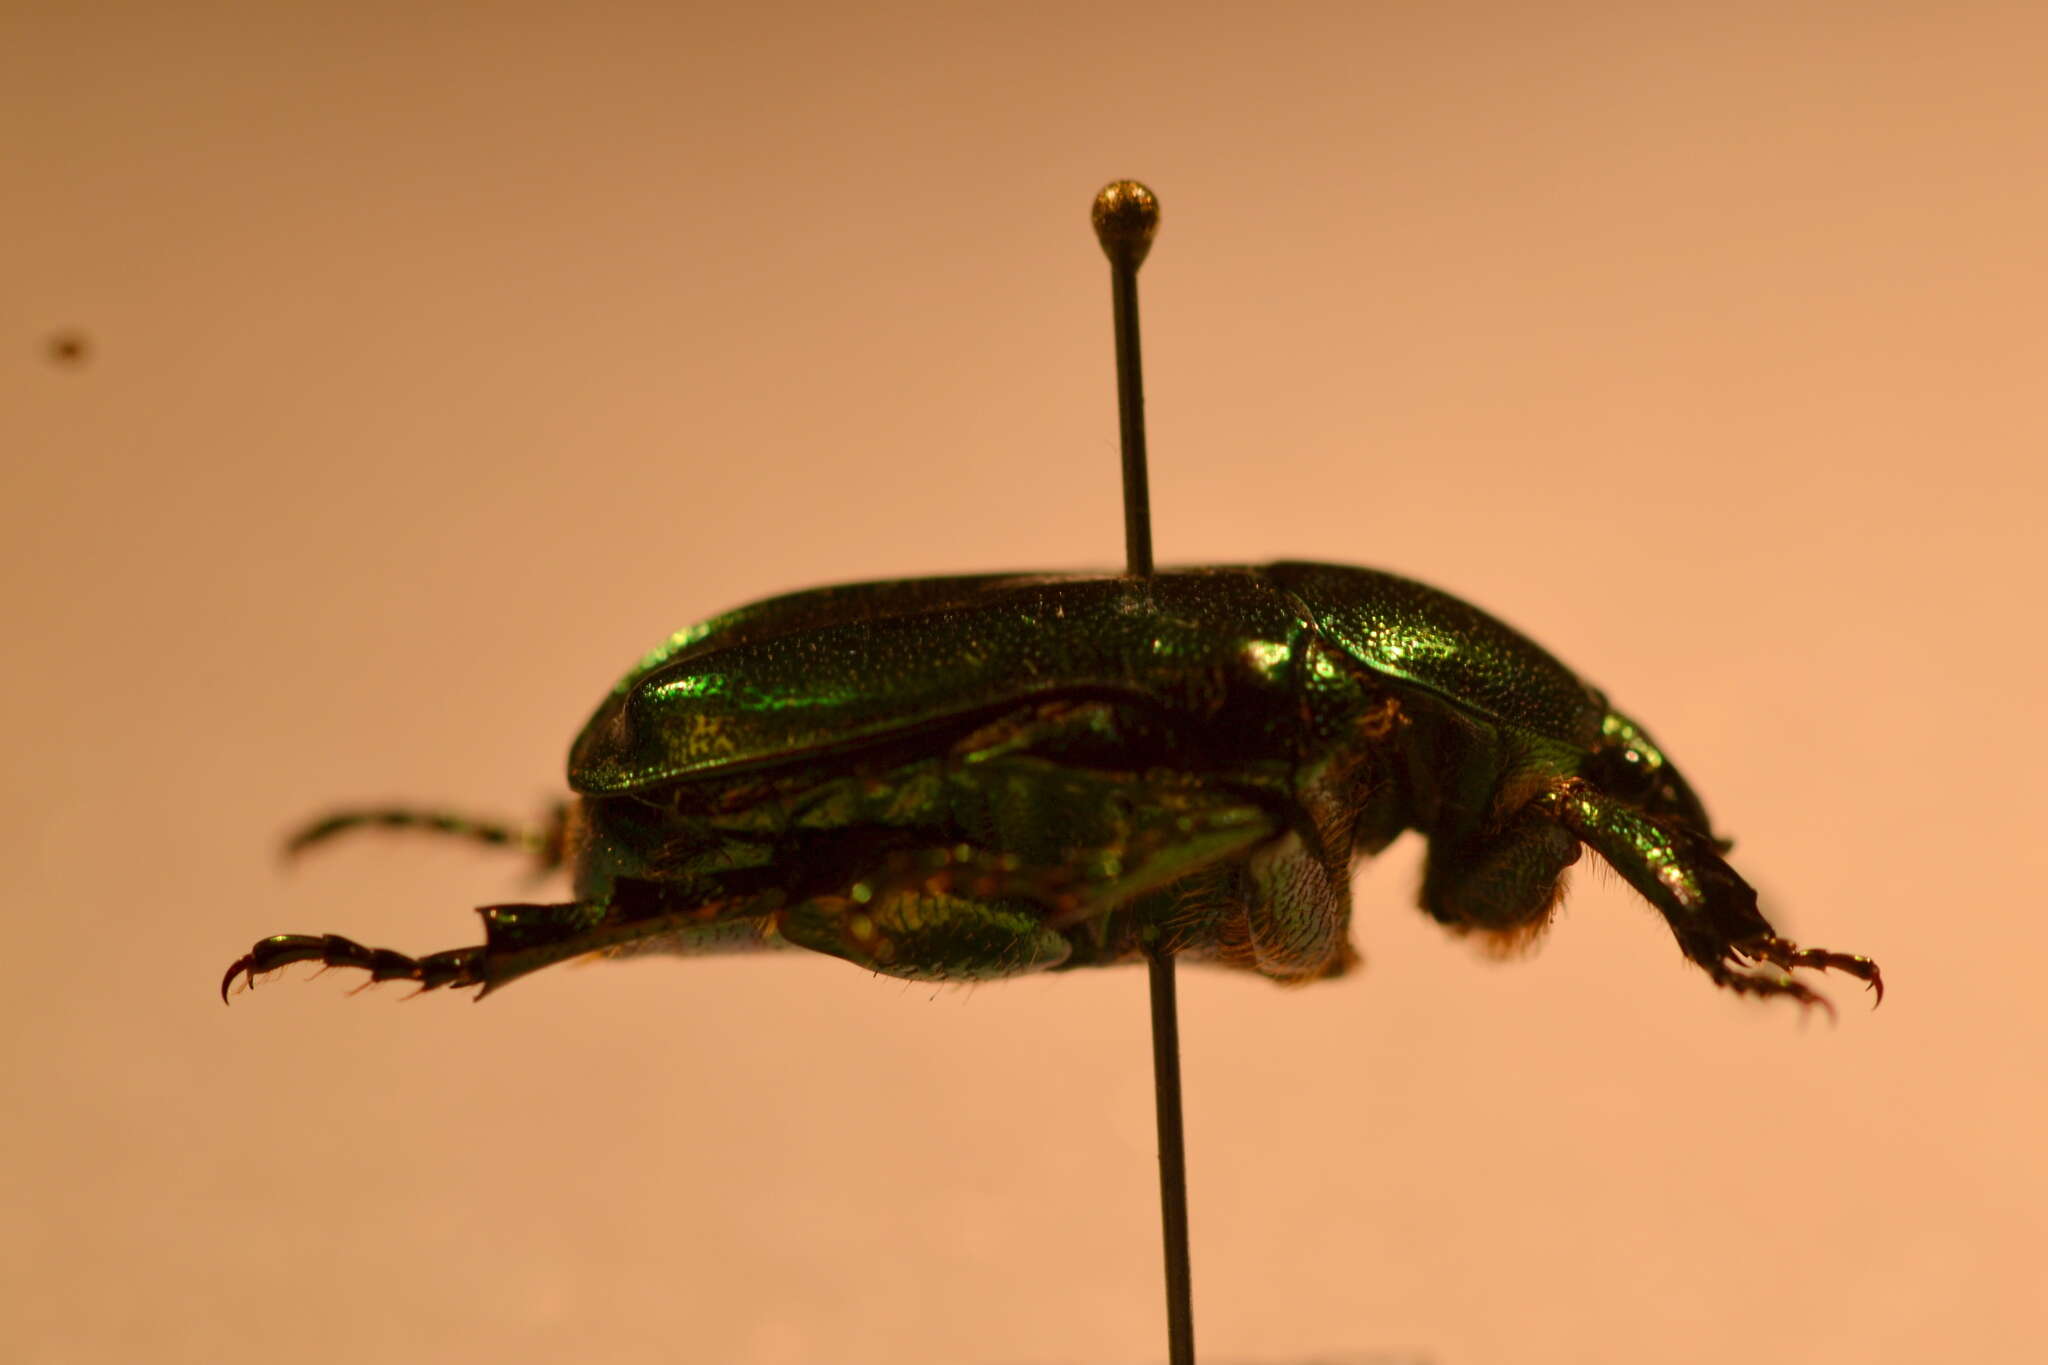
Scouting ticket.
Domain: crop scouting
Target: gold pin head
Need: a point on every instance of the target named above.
(1126, 215)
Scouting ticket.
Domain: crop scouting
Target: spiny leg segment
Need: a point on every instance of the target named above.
(1711, 910)
(455, 967)
(1785, 955)
(518, 939)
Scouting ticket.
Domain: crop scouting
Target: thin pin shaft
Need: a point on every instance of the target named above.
(1130, 406)
(1173, 1162)
(1126, 215)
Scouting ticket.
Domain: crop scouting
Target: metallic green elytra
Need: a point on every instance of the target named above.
(975, 777)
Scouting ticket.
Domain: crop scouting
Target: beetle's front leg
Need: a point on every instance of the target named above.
(1786, 954)
(1711, 910)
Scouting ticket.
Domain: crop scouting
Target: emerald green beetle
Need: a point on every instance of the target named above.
(975, 777)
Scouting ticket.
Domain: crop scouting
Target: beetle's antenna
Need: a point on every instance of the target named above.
(1126, 216)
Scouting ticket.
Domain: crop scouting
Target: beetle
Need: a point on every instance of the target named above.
(974, 777)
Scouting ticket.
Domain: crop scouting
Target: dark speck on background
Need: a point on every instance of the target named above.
(68, 349)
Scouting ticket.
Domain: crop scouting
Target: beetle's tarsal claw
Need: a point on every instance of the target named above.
(279, 950)
(1785, 954)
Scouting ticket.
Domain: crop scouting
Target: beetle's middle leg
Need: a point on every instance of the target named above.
(1006, 863)
(962, 911)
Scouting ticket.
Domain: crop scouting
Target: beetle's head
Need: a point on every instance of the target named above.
(1628, 766)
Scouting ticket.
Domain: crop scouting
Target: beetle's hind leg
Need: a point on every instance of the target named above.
(702, 915)
(547, 843)
(456, 967)
(517, 939)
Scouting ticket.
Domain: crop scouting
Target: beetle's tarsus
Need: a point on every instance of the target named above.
(1783, 953)
(456, 967)
(1745, 983)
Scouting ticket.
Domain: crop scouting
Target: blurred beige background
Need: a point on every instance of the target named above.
(441, 364)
